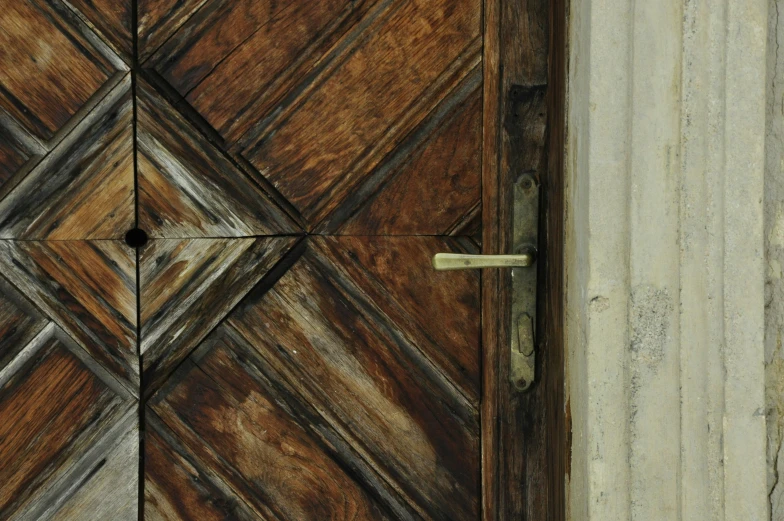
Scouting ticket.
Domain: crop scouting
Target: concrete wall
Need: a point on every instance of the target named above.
(665, 259)
(774, 250)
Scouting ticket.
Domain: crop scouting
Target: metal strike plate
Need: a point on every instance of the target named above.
(525, 232)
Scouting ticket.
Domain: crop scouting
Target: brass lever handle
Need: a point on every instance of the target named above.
(458, 261)
(522, 313)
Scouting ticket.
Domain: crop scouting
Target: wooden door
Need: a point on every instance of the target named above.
(216, 225)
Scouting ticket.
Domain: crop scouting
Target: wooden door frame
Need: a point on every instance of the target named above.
(525, 443)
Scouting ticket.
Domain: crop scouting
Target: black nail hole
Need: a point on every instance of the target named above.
(136, 238)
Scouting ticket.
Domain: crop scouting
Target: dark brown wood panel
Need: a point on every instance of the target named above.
(12, 156)
(54, 409)
(42, 415)
(279, 44)
(188, 286)
(84, 188)
(436, 310)
(112, 20)
(19, 324)
(48, 70)
(372, 99)
(296, 165)
(158, 20)
(253, 441)
(339, 351)
(88, 289)
(525, 449)
(438, 185)
(188, 188)
(179, 486)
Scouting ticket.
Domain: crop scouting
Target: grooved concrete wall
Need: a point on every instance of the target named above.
(665, 259)
(774, 250)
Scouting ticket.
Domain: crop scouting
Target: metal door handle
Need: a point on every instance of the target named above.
(458, 261)
(525, 227)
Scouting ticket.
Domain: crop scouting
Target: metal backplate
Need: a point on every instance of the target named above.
(523, 310)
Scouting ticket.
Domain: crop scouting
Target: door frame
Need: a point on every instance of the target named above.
(525, 446)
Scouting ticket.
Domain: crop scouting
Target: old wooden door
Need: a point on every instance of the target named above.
(216, 222)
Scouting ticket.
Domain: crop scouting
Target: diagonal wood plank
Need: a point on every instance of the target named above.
(55, 408)
(436, 311)
(410, 202)
(335, 352)
(84, 188)
(209, 60)
(188, 286)
(253, 441)
(20, 322)
(43, 45)
(88, 289)
(158, 20)
(187, 188)
(370, 102)
(180, 486)
(112, 20)
(13, 156)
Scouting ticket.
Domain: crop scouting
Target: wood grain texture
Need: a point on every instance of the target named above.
(86, 288)
(84, 188)
(188, 286)
(336, 350)
(158, 20)
(19, 323)
(525, 450)
(332, 376)
(48, 67)
(252, 440)
(383, 91)
(112, 20)
(431, 184)
(315, 68)
(277, 43)
(437, 311)
(553, 284)
(54, 409)
(188, 188)
(108, 485)
(179, 486)
(13, 156)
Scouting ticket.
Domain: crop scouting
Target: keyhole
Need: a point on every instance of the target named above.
(136, 238)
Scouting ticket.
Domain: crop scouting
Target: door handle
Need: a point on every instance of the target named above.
(525, 232)
(459, 261)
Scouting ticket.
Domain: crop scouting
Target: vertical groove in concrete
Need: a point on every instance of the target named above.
(744, 416)
(664, 259)
(654, 286)
(774, 252)
(702, 251)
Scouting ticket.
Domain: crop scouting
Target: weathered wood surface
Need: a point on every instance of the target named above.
(188, 188)
(280, 376)
(112, 20)
(62, 418)
(250, 439)
(340, 376)
(525, 449)
(339, 107)
(84, 187)
(88, 289)
(188, 286)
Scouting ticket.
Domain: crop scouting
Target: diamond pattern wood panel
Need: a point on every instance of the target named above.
(281, 340)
